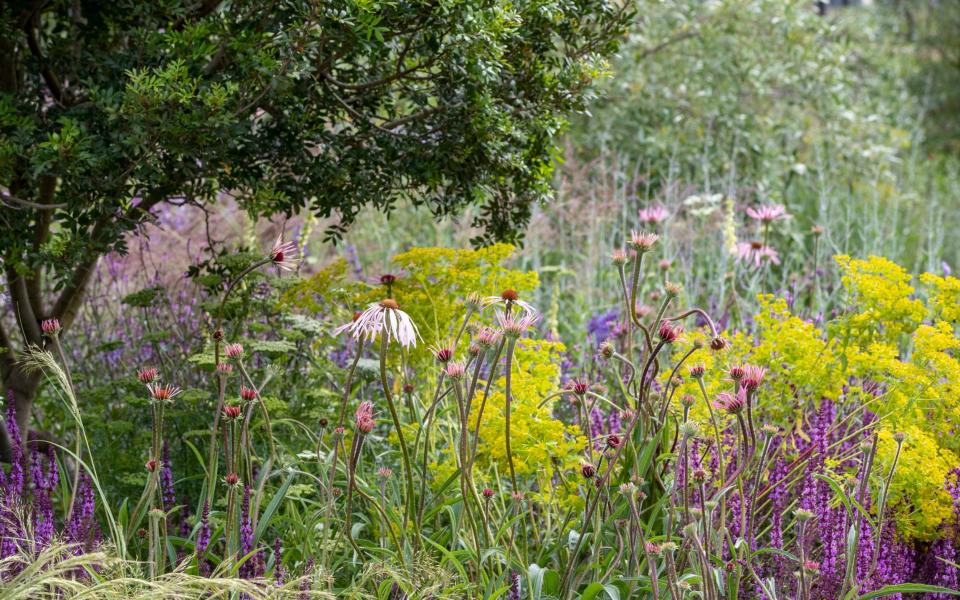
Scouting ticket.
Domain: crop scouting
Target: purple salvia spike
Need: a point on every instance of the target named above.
(53, 471)
(596, 427)
(279, 575)
(203, 540)
(305, 582)
(166, 479)
(18, 468)
(247, 569)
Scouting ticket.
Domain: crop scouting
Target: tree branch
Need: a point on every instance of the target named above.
(51, 79)
(68, 303)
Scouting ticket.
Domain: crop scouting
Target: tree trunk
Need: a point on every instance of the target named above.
(20, 388)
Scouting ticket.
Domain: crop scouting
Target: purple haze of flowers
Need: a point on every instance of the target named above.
(248, 570)
(279, 575)
(15, 483)
(600, 326)
(166, 479)
(514, 593)
(81, 529)
(596, 427)
(203, 540)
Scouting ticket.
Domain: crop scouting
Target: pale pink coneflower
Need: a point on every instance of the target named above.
(147, 374)
(162, 393)
(730, 402)
(488, 337)
(384, 317)
(652, 215)
(642, 241)
(455, 370)
(443, 353)
(767, 213)
(509, 298)
(514, 327)
(753, 376)
(364, 417)
(284, 254)
(756, 253)
(50, 326)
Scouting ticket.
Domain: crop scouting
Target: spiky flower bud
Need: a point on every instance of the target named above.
(232, 479)
(50, 327)
(147, 374)
(232, 411)
(697, 370)
(233, 350)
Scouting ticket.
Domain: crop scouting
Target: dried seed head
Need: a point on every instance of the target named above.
(718, 343)
(587, 470)
(390, 303)
(607, 350)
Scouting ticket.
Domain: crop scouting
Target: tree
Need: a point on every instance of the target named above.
(108, 109)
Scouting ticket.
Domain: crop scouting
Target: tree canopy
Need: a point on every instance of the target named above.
(110, 108)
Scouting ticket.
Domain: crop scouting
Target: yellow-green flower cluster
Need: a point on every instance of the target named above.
(880, 296)
(542, 446)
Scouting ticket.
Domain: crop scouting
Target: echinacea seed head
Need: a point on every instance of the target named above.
(151, 465)
(322, 422)
(718, 343)
(803, 514)
(737, 372)
(700, 475)
(676, 381)
(509, 295)
(587, 470)
(607, 350)
(218, 334)
(580, 387)
(408, 388)
(388, 279)
(232, 479)
(697, 370)
(613, 441)
(390, 304)
(689, 429)
(443, 355)
(487, 493)
(232, 411)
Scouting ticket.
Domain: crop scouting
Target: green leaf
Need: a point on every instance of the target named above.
(907, 588)
(272, 507)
